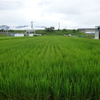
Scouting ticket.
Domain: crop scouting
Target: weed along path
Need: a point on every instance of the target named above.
(49, 68)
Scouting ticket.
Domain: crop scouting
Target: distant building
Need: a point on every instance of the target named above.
(18, 35)
(87, 30)
(29, 32)
(97, 32)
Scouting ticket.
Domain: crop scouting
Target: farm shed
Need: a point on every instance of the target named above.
(18, 35)
(87, 30)
(30, 31)
(30, 34)
(97, 32)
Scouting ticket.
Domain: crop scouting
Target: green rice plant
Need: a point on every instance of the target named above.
(49, 68)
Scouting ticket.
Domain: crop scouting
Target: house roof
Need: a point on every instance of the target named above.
(86, 28)
(97, 26)
(29, 30)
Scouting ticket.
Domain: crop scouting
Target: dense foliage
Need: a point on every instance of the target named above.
(49, 68)
(51, 29)
(16, 31)
(61, 32)
(47, 31)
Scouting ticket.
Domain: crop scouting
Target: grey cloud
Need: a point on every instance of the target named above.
(5, 27)
(71, 13)
(22, 26)
(70, 6)
(78, 12)
(10, 5)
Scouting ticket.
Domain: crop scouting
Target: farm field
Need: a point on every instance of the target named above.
(49, 68)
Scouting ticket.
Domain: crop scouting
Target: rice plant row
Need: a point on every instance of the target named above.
(49, 68)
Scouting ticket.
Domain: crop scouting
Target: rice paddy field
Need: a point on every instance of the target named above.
(49, 68)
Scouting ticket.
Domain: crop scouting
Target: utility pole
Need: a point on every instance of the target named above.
(32, 24)
(59, 27)
(7, 32)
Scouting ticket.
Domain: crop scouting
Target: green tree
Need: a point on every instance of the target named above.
(64, 29)
(51, 29)
(2, 30)
(74, 31)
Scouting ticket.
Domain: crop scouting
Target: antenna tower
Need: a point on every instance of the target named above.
(32, 24)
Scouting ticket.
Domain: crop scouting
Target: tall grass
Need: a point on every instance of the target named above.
(49, 68)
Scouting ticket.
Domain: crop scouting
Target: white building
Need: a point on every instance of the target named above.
(87, 30)
(30, 34)
(97, 32)
(18, 35)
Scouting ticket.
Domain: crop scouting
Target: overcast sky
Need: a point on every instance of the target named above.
(70, 13)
